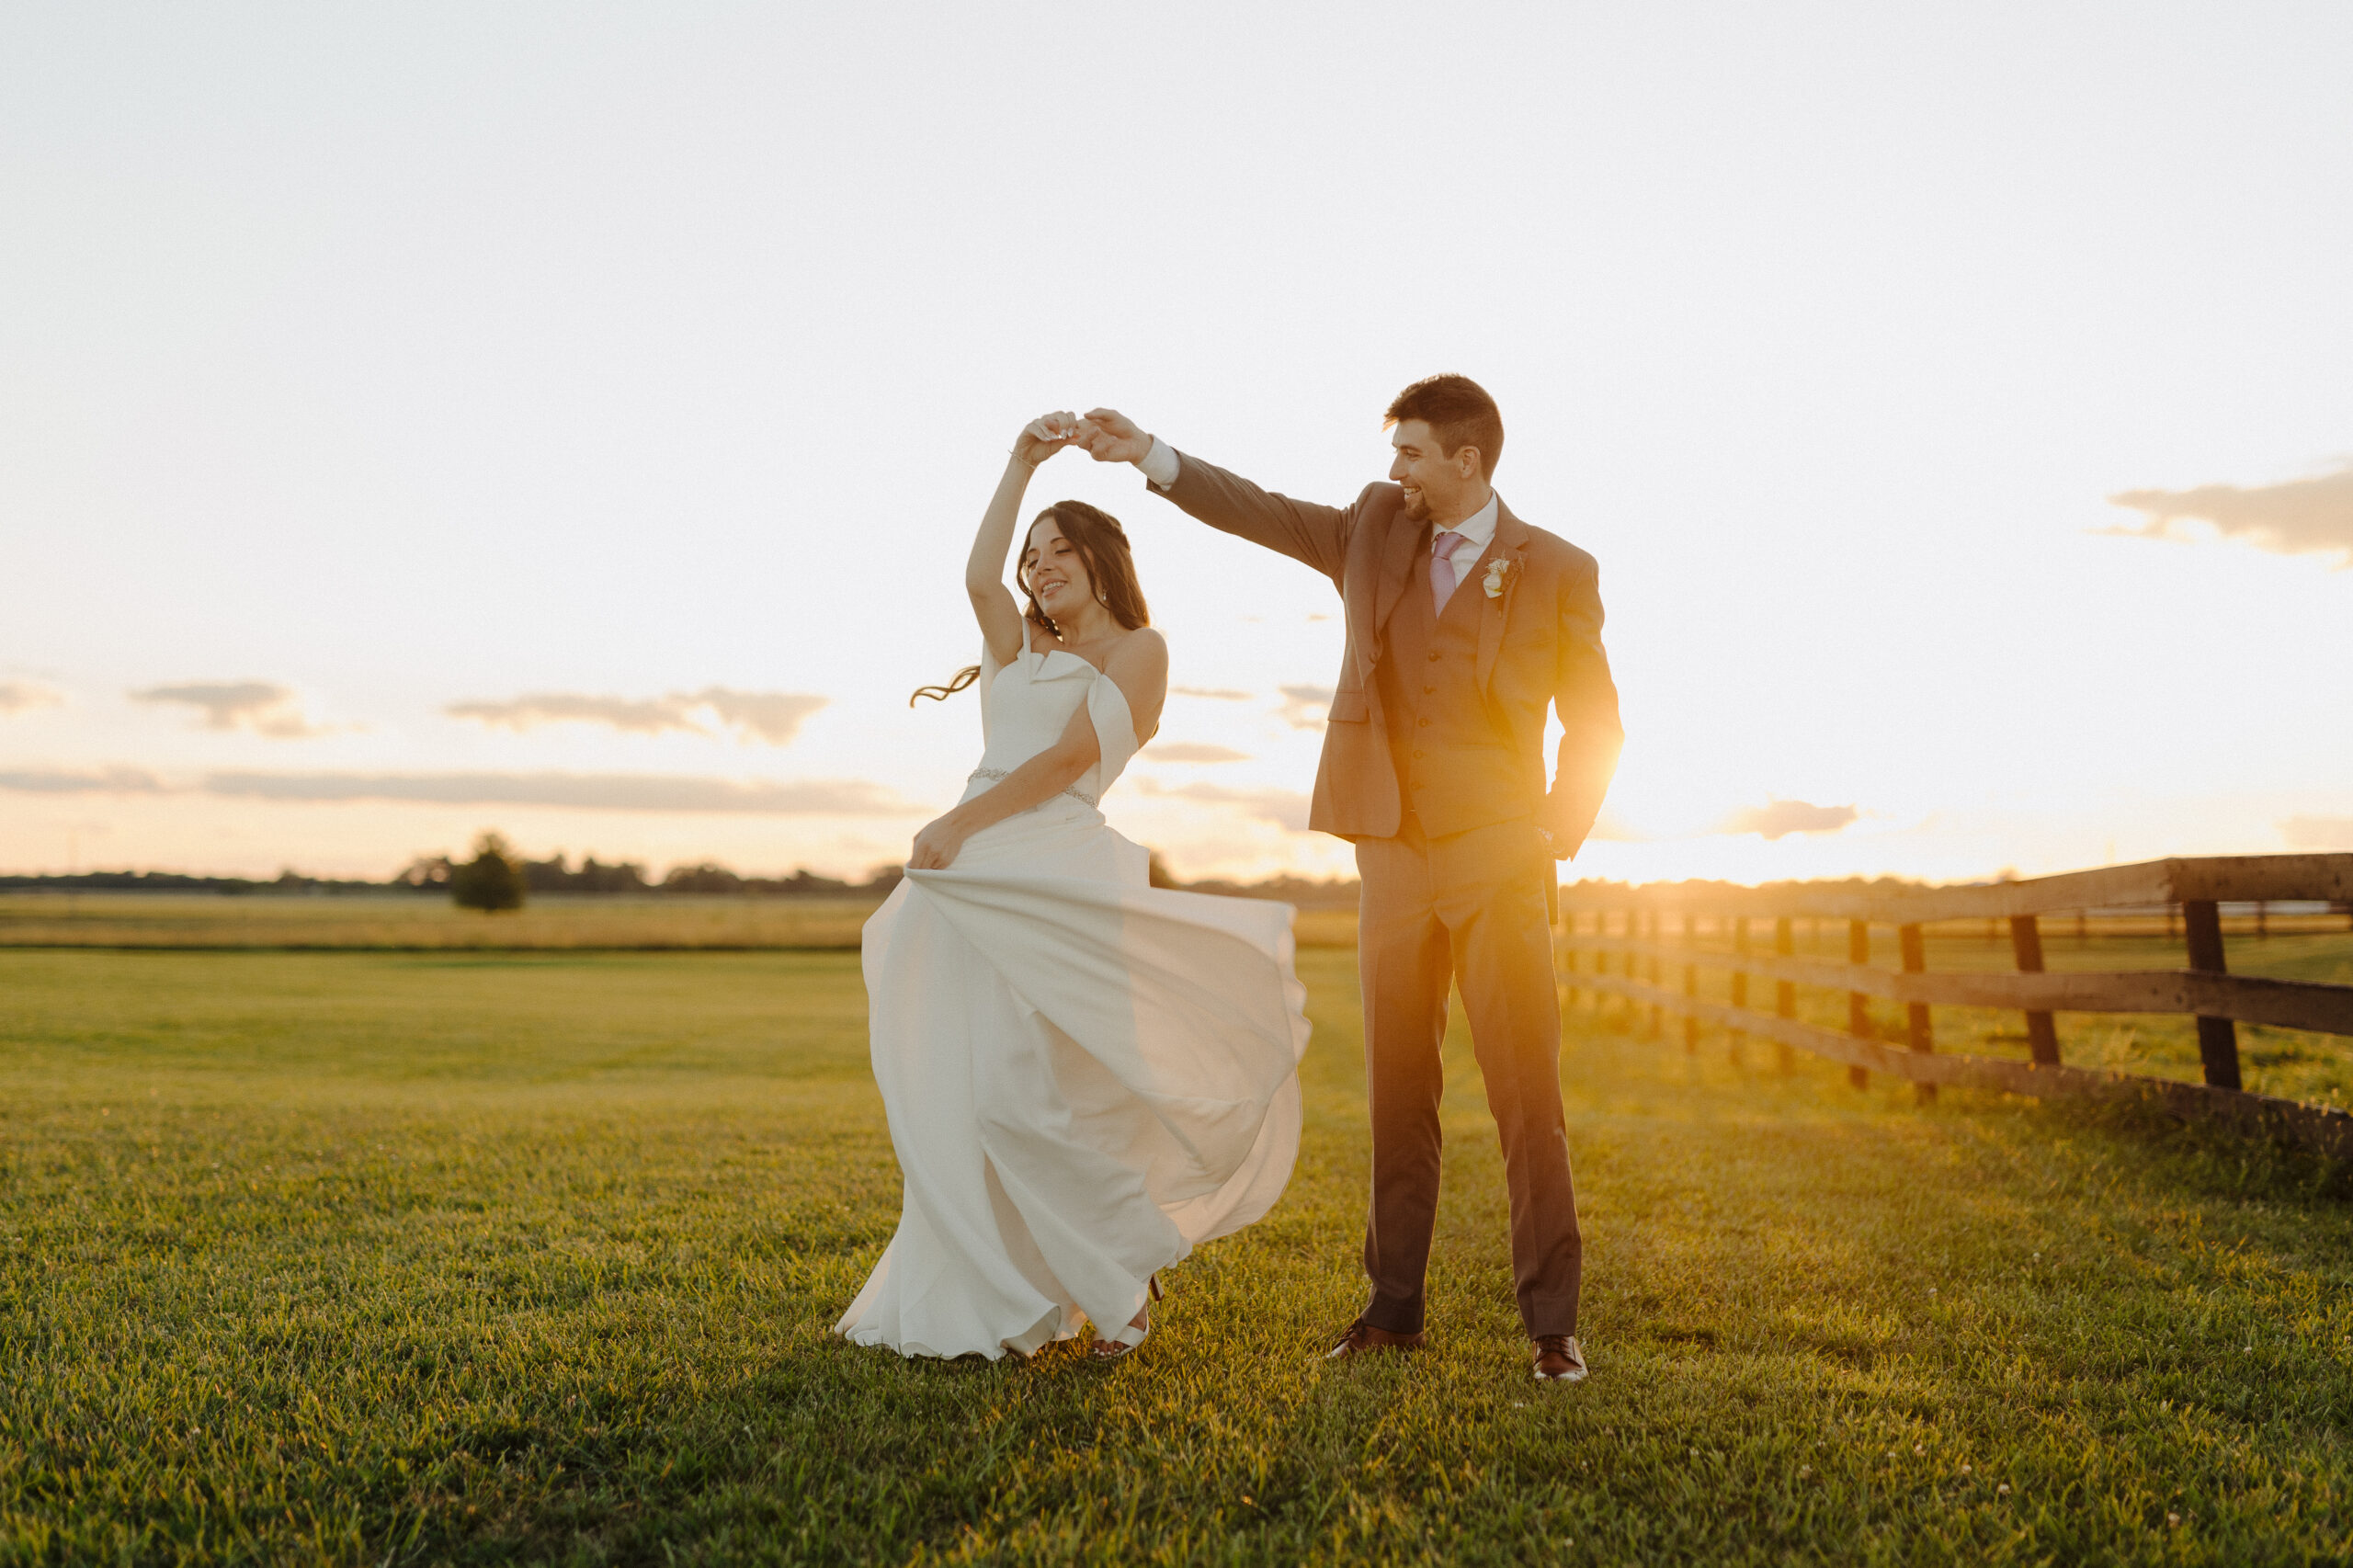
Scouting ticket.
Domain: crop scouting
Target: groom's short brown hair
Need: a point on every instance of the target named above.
(1459, 412)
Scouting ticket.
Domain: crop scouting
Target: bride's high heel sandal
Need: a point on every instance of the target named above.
(1124, 1342)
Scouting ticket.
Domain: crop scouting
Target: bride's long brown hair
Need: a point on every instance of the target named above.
(1102, 546)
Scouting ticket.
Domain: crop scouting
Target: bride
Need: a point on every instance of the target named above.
(1087, 1076)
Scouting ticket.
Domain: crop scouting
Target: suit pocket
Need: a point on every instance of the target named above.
(1348, 708)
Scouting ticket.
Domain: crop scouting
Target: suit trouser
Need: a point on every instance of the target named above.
(1470, 907)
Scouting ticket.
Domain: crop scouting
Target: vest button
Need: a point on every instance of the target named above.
(1425, 724)
(1428, 689)
(1433, 655)
(1417, 751)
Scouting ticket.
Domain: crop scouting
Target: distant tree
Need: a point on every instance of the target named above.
(425, 872)
(629, 876)
(491, 881)
(708, 877)
(1159, 875)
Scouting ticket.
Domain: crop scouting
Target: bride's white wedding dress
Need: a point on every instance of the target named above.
(1086, 1075)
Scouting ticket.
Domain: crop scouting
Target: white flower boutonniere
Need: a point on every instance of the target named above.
(1499, 572)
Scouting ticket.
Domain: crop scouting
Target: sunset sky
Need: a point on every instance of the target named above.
(572, 420)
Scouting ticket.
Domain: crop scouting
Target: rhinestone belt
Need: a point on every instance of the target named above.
(1074, 792)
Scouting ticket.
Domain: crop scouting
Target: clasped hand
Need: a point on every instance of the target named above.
(1107, 434)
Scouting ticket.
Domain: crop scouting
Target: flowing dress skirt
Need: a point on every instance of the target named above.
(1085, 1076)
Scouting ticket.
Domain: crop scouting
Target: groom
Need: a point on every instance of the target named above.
(1463, 625)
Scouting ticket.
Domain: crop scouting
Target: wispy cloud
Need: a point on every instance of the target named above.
(22, 697)
(102, 781)
(2318, 832)
(2302, 516)
(1284, 808)
(1192, 750)
(1778, 819)
(1215, 693)
(1304, 706)
(581, 792)
(775, 716)
(251, 705)
(586, 791)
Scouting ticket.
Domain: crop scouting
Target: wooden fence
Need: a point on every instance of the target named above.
(1717, 928)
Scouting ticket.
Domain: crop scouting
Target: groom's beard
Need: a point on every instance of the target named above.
(1417, 510)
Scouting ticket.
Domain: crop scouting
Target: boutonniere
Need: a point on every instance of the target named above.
(1499, 572)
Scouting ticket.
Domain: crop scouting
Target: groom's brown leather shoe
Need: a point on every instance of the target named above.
(1362, 1338)
(1558, 1359)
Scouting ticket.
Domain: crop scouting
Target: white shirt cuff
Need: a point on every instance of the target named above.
(1159, 464)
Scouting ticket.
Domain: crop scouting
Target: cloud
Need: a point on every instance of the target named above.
(775, 716)
(105, 781)
(1304, 706)
(20, 697)
(1284, 808)
(585, 791)
(2302, 516)
(253, 705)
(1192, 750)
(2318, 832)
(1611, 828)
(1216, 693)
(1777, 819)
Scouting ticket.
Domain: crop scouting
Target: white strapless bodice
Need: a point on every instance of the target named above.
(1027, 705)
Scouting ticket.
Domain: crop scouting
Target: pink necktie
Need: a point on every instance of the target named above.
(1442, 569)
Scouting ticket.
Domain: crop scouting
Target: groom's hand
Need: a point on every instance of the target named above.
(1110, 437)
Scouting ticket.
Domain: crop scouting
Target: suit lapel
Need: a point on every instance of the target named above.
(1509, 545)
(1399, 552)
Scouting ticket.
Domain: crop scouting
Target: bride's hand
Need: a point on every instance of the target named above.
(936, 846)
(1045, 436)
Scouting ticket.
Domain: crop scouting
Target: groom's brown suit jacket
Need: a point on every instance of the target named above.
(1539, 645)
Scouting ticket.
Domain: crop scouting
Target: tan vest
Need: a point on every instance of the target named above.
(1455, 770)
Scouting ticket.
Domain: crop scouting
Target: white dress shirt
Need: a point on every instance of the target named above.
(1160, 466)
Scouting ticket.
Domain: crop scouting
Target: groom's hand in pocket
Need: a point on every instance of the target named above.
(1110, 437)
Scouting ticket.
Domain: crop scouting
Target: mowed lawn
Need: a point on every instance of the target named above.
(411, 1257)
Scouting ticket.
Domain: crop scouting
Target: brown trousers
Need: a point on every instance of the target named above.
(1471, 908)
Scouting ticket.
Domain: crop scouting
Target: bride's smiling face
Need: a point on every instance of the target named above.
(1056, 572)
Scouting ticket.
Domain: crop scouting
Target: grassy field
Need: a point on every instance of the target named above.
(469, 1257)
(700, 923)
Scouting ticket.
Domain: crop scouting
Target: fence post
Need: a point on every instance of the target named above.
(1600, 962)
(2217, 1039)
(1569, 918)
(1915, 1014)
(1785, 995)
(1658, 1016)
(1690, 988)
(1738, 1036)
(2025, 944)
(1858, 1006)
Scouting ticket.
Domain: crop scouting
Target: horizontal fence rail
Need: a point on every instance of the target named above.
(2188, 893)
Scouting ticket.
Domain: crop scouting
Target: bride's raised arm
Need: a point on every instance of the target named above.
(993, 603)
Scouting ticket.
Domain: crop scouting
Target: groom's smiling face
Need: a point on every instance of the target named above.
(1435, 485)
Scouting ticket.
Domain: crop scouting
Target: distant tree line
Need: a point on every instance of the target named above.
(495, 867)
(175, 881)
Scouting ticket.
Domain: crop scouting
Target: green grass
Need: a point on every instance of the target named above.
(369, 1257)
(699, 921)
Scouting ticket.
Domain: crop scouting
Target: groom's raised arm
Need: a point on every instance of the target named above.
(1305, 530)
